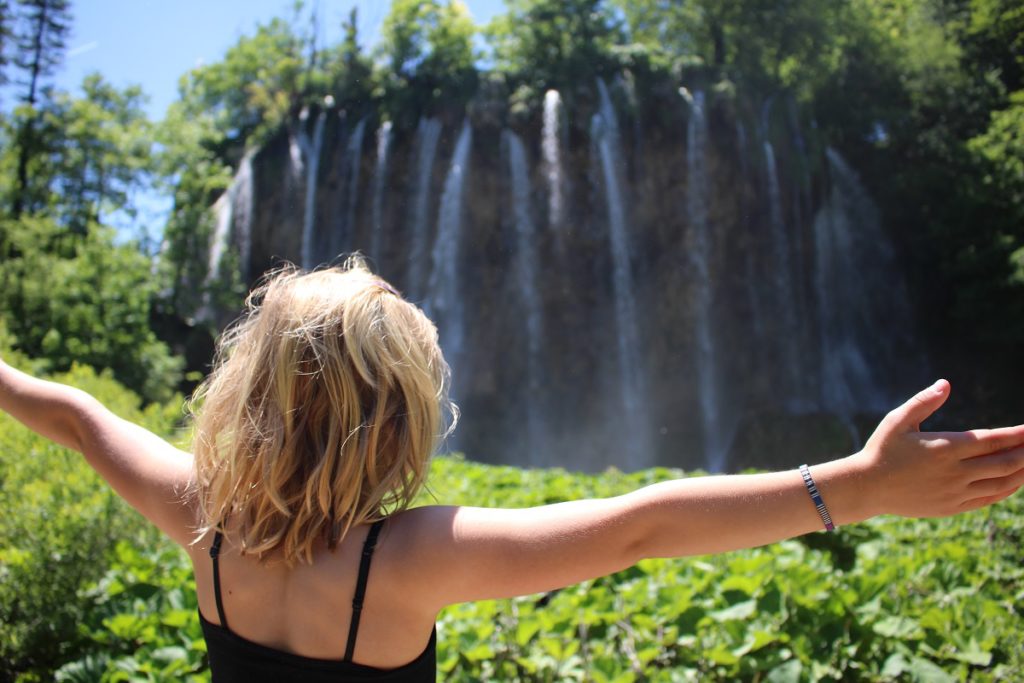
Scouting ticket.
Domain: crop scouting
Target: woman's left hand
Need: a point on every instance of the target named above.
(935, 474)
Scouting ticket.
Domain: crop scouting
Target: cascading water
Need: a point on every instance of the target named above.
(223, 210)
(716, 313)
(380, 179)
(784, 289)
(853, 262)
(341, 238)
(632, 387)
(243, 202)
(551, 149)
(752, 284)
(527, 270)
(444, 302)
(232, 220)
(717, 436)
(296, 170)
(233, 217)
(427, 135)
(311, 148)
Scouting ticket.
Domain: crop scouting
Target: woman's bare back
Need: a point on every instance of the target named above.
(307, 609)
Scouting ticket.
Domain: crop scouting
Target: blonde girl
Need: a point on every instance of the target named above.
(313, 435)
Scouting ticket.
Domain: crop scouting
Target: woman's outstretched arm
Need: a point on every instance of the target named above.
(465, 554)
(145, 470)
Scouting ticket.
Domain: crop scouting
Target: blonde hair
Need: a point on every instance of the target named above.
(326, 401)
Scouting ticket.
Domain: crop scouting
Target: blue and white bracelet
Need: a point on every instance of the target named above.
(805, 472)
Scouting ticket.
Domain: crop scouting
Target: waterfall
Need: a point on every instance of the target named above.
(854, 261)
(232, 221)
(716, 438)
(553, 157)
(295, 165)
(527, 272)
(682, 297)
(784, 290)
(243, 203)
(631, 389)
(445, 299)
(311, 148)
(233, 216)
(380, 178)
(341, 238)
(223, 210)
(752, 286)
(427, 135)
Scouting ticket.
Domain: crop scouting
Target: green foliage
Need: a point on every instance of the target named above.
(993, 36)
(60, 528)
(69, 298)
(803, 611)
(253, 90)
(349, 70)
(760, 45)
(429, 49)
(70, 291)
(143, 623)
(5, 39)
(890, 599)
(92, 153)
(195, 175)
(39, 38)
(33, 190)
(949, 71)
(40, 35)
(1002, 146)
(922, 600)
(541, 44)
(104, 153)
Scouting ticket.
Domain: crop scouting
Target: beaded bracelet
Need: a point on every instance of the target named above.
(805, 472)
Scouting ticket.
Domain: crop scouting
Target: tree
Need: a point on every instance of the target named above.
(87, 303)
(555, 43)
(105, 154)
(759, 44)
(92, 152)
(5, 39)
(40, 44)
(349, 69)
(192, 170)
(252, 92)
(429, 48)
(992, 35)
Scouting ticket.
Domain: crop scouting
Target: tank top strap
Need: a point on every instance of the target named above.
(357, 600)
(215, 556)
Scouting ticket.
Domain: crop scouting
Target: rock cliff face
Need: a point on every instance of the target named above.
(667, 279)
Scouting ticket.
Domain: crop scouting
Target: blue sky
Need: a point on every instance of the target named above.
(153, 42)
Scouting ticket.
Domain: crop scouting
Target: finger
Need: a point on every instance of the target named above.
(990, 487)
(980, 442)
(911, 414)
(1002, 464)
(976, 503)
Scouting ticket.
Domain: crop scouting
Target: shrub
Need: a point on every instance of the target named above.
(59, 531)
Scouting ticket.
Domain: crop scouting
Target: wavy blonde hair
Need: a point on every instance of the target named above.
(326, 401)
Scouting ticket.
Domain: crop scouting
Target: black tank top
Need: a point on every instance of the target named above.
(236, 659)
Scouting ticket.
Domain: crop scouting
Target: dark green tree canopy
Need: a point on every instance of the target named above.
(428, 49)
